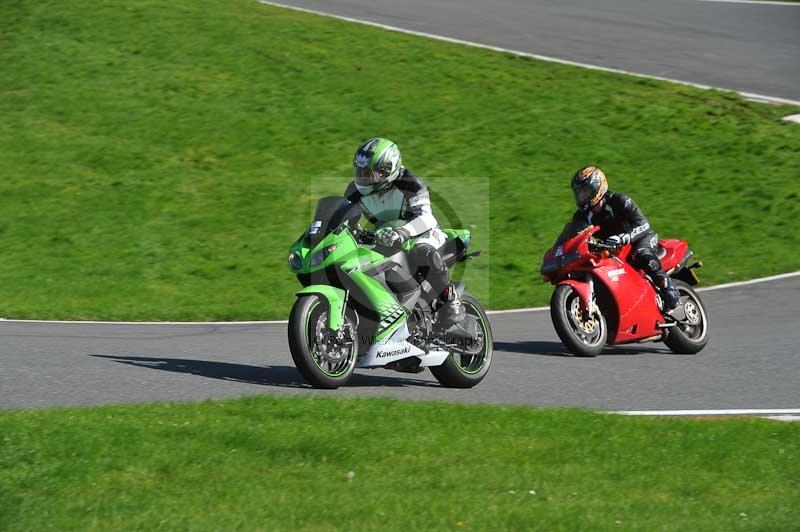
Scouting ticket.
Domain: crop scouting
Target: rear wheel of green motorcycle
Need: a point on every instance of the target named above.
(322, 360)
(466, 370)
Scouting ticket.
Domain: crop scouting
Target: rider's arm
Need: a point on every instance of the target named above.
(417, 204)
(352, 194)
(634, 215)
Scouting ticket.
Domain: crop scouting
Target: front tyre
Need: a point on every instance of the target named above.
(465, 369)
(584, 336)
(690, 335)
(324, 359)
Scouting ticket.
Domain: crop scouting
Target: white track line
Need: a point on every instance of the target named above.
(726, 412)
(754, 2)
(748, 95)
(751, 281)
(89, 322)
(783, 418)
(275, 322)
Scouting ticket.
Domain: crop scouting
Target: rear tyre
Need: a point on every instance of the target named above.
(323, 361)
(465, 370)
(688, 336)
(583, 336)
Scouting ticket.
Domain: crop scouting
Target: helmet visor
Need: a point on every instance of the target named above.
(370, 176)
(584, 194)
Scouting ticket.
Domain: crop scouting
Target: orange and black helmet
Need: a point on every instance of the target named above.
(589, 184)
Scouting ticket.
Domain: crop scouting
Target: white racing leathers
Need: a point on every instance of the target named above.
(408, 199)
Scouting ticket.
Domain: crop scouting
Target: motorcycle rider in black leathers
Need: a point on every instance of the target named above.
(621, 222)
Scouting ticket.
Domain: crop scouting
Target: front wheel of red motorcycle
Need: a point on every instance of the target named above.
(584, 336)
(689, 335)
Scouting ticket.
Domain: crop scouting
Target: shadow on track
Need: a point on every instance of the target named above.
(283, 376)
(556, 349)
(550, 349)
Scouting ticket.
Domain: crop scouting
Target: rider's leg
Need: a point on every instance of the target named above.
(645, 257)
(426, 257)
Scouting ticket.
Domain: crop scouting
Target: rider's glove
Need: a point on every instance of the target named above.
(390, 237)
(620, 239)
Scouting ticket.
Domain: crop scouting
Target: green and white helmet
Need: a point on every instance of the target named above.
(376, 164)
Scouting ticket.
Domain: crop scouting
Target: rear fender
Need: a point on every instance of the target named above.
(336, 298)
(584, 290)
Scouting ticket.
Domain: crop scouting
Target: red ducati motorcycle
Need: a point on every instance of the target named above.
(600, 299)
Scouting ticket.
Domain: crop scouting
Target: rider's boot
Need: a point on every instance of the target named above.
(669, 294)
(452, 314)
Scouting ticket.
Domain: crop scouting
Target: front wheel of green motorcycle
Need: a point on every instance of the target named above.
(324, 358)
(467, 368)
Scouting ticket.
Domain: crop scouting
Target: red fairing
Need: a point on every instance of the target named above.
(676, 251)
(582, 288)
(637, 312)
(632, 312)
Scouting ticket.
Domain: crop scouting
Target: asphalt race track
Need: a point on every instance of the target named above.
(745, 47)
(752, 361)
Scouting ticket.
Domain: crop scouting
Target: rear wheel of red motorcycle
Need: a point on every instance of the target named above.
(584, 336)
(690, 335)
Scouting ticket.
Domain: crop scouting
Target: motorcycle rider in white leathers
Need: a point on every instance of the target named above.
(387, 191)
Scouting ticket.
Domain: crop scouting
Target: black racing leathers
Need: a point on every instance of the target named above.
(620, 215)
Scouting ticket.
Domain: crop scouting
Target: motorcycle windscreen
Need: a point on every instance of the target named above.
(571, 229)
(331, 213)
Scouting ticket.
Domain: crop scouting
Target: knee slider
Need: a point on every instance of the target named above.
(435, 260)
(429, 256)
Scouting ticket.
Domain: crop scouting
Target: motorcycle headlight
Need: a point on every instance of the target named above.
(295, 262)
(320, 256)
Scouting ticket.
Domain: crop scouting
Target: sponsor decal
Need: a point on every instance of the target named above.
(395, 352)
(615, 274)
(314, 229)
(640, 229)
(559, 251)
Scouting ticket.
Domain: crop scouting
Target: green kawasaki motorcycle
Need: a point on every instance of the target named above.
(363, 306)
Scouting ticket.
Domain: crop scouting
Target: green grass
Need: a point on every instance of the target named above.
(271, 463)
(158, 158)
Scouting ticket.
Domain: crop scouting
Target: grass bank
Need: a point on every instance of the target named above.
(271, 463)
(156, 157)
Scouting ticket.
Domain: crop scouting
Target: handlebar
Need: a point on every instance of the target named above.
(596, 244)
(365, 236)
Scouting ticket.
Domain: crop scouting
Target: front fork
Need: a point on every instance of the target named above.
(585, 290)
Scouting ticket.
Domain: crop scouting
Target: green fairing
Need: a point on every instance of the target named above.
(336, 298)
(463, 234)
(383, 302)
(351, 259)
